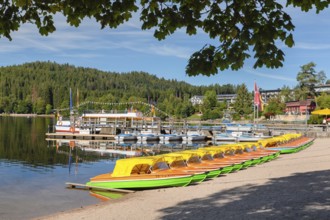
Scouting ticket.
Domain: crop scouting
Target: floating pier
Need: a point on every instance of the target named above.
(77, 136)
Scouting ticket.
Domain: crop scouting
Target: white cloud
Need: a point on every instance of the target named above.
(166, 50)
(69, 41)
(270, 75)
(312, 46)
(80, 55)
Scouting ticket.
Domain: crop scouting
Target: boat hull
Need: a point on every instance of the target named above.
(213, 174)
(294, 147)
(158, 181)
(148, 138)
(194, 138)
(125, 137)
(105, 195)
(66, 129)
(197, 178)
(227, 169)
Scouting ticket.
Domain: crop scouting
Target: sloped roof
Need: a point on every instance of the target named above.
(300, 103)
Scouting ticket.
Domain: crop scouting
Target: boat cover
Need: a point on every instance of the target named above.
(172, 158)
(212, 150)
(184, 154)
(125, 167)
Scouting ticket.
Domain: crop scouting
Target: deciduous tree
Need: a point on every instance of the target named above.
(241, 28)
(308, 78)
(323, 101)
(274, 107)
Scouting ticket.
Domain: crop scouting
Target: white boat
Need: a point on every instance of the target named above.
(238, 128)
(250, 137)
(170, 137)
(193, 136)
(224, 137)
(89, 123)
(147, 137)
(125, 137)
(65, 126)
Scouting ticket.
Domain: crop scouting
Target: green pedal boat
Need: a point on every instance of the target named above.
(141, 173)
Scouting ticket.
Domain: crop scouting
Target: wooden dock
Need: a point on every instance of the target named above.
(77, 136)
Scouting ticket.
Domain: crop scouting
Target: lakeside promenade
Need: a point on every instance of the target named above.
(294, 186)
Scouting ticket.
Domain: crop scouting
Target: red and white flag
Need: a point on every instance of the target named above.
(257, 101)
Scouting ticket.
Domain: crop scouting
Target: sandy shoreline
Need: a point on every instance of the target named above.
(295, 186)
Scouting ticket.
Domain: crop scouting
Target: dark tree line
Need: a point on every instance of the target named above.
(39, 87)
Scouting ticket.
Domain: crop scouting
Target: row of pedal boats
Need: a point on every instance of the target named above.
(192, 166)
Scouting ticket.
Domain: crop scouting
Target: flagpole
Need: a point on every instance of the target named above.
(254, 113)
(257, 113)
(254, 103)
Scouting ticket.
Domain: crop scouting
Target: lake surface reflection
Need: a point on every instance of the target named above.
(34, 171)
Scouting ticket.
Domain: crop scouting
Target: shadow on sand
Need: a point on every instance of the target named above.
(300, 196)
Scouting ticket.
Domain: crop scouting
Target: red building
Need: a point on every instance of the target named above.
(300, 107)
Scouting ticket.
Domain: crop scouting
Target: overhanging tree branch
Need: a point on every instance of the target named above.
(242, 28)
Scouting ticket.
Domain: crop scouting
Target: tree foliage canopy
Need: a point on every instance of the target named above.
(275, 107)
(243, 104)
(323, 101)
(308, 78)
(238, 26)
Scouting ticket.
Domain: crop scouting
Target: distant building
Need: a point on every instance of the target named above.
(322, 88)
(227, 97)
(300, 107)
(198, 99)
(268, 94)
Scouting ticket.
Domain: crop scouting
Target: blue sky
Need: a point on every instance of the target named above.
(128, 48)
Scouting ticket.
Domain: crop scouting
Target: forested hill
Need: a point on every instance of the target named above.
(40, 86)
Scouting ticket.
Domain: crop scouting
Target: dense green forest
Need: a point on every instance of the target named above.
(41, 87)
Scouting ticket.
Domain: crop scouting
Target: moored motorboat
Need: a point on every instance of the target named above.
(247, 138)
(64, 126)
(224, 137)
(125, 137)
(230, 127)
(193, 136)
(170, 137)
(147, 137)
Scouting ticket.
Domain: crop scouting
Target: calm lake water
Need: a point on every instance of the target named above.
(34, 171)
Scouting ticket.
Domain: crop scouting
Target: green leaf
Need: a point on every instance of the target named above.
(289, 41)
